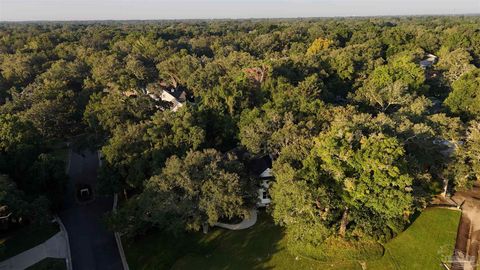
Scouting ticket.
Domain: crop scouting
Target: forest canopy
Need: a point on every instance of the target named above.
(366, 119)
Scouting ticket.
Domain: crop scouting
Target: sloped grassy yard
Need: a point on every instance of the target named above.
(263, 247)
(424, 245)
(260, 247)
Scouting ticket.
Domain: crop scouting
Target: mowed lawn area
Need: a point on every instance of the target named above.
(263, 247)
(259, 247)
(424, 245)
(25, 238)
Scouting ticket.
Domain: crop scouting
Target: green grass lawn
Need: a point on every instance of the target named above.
(428, 241)
(15, 242)
(49, 264)
(260, 247)
(263, 247)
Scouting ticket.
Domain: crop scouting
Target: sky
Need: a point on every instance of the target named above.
(34, 10)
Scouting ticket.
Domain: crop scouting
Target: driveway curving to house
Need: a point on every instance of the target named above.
(92, 246)
(55, 247)
(245, 224)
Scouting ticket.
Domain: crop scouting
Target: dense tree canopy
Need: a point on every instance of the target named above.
(465, 95)
(201, 188)
(363, 132)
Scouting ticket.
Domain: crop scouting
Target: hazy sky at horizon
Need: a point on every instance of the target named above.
(24, 10)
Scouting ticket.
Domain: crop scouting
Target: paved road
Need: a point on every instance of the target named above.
(92, 246)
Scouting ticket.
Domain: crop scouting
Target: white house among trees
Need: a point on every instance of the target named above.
(262, 167)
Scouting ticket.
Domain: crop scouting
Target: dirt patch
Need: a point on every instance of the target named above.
(467, 246)
(463, 234)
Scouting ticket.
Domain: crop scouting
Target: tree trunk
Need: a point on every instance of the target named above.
(205, 228)
(445, 187)
(343, 223)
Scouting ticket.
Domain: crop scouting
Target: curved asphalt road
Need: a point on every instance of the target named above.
(92, 246)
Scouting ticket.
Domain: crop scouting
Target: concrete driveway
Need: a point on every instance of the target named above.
(92, 245)
(55, 247)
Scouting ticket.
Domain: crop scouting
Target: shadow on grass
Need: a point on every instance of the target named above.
(219, 249)
(49, 264)
(261, 247)
(16, 241)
